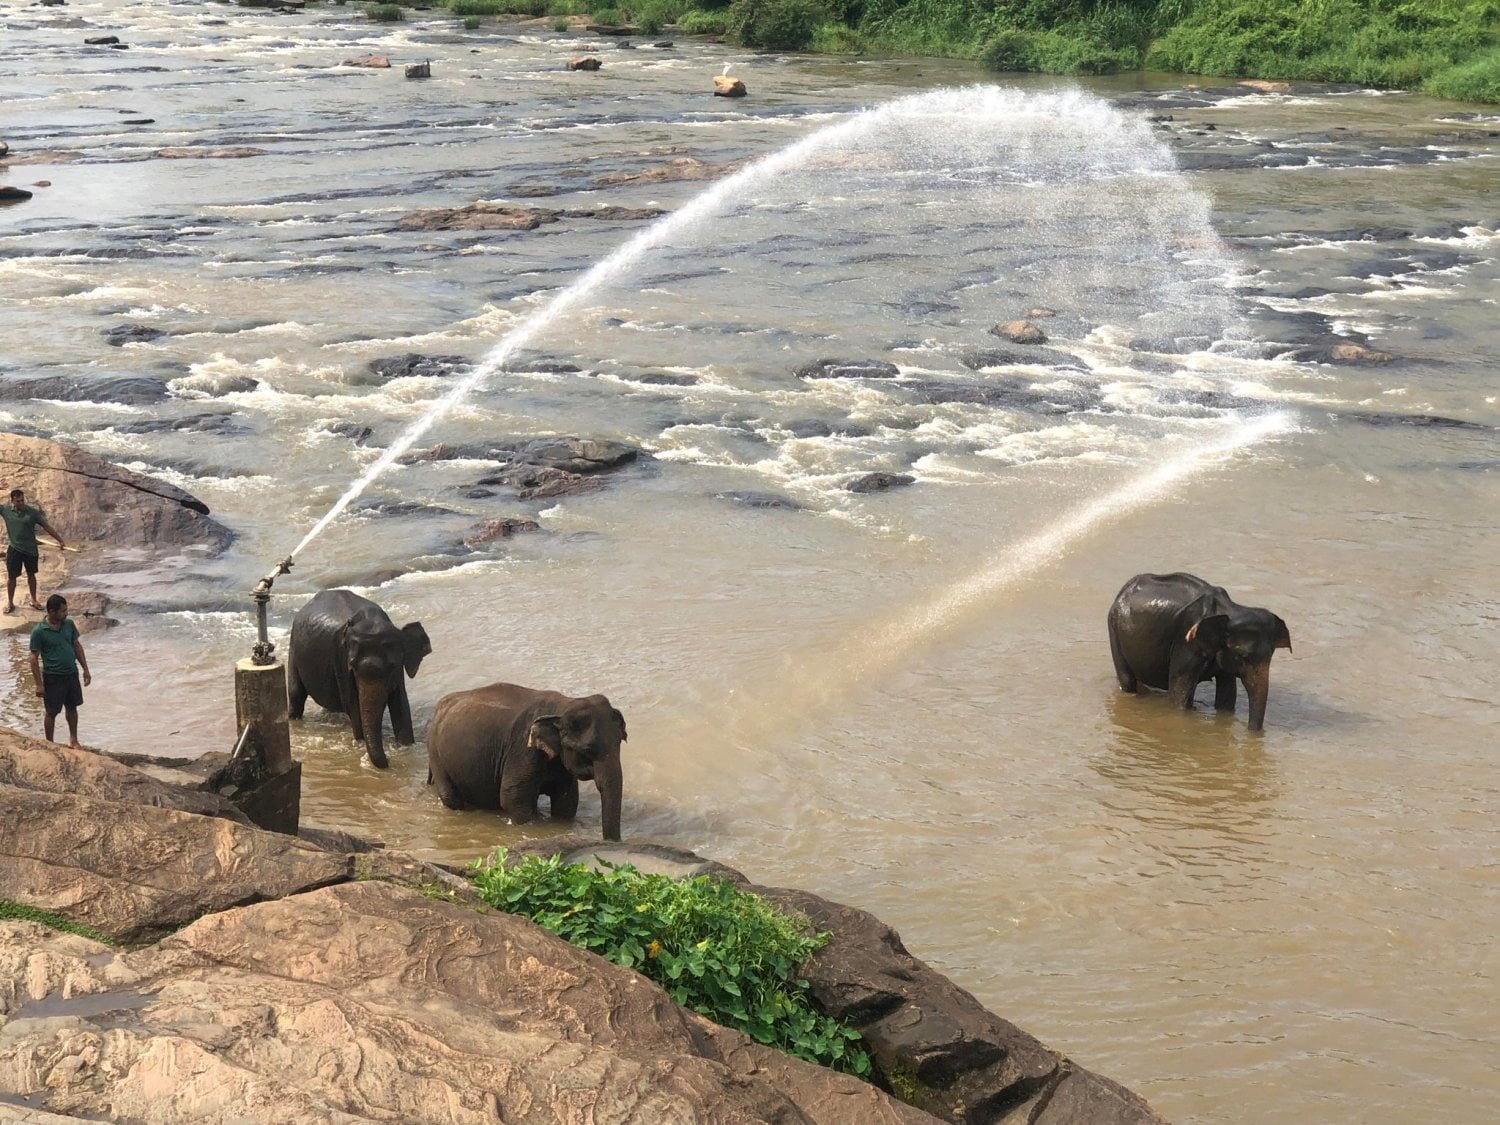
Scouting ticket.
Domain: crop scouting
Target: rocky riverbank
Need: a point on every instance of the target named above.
(242, 974)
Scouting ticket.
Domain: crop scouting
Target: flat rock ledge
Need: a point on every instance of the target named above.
(257, 977)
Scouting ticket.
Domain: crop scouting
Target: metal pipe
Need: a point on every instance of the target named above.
(264, 652)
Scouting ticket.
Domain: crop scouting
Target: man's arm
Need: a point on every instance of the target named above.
(36, 672)
(83, 661)
(47, 527)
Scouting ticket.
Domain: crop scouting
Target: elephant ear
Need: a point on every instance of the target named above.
(1283, 637)
(619, 718)
(1210, 634)
(545, 735)
(414, 646)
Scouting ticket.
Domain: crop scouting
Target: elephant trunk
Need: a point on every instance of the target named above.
(372, 701)
(607, 778)
(1257, 679)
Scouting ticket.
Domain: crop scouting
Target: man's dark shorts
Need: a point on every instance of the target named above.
(16, 560)
(61, 691)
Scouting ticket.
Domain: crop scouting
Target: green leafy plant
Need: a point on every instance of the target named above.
(384, 13)
(471, 23)
(716, 949)
(778, 25)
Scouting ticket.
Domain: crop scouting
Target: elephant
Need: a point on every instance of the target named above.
(350, 657)
(1173, 631)
(502, 746)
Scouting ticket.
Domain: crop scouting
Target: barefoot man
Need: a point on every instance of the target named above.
(21, 523)
(56, 656)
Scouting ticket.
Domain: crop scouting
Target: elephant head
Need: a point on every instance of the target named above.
(584, 736)
(1239, 643)
(376, 657)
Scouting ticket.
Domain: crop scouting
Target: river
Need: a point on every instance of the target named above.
(901, 699)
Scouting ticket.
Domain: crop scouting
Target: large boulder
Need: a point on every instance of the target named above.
(92, 502)
(368, 1001)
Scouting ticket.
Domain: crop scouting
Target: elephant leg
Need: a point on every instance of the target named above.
(1122, 670)
(401, 717)
(518, 800)
(1225, 688)
(447, 792)
(296, 692)
(565, 802)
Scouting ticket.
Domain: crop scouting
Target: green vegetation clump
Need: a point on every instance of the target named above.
(384, 13)
(471, 23)
(718, 950)
(14, 910)
(1423, 44)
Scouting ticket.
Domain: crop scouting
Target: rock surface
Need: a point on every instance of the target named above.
(292, 979)
(101, 507)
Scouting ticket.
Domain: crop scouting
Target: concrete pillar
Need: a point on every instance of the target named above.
(263, 780)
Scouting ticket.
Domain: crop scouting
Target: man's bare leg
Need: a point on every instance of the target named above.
(10, 594)
(72, 716)
(31, 585)
(49, 724)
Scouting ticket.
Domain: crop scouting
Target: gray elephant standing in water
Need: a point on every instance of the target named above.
(350, 657)
(503, 746)
(1173, 631)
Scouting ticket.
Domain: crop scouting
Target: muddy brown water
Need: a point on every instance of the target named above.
(902, 700)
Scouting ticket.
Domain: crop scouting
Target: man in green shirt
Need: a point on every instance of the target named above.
(56, 656)
(21, 523)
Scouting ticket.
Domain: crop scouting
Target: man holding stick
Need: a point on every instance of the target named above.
(21, 523)
(56, 656)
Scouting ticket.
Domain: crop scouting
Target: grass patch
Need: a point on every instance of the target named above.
(15, 911)
(384, 13)
(718, 950)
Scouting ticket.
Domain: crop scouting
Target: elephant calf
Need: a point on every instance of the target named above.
(503, 746)
(1173, 631)
(350, 657)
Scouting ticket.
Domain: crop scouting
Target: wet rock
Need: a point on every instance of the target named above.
(880, 482)
(1428, 261)
(665, 379)
(681, 168)
(372, 62)
(419, 70)
(231, 152)
(1357, 234)
(751, 499)
(1040, 313)
(223, 425)
(612, 214)
(10, 194)
(538, 482)
(542, 366)
(1019, 332)
(503, 528)
(575, 454)
(122, 334)
(416, 365)
(139, 121)
(213, 384)
(848, 369)
(1014, 394)
(102, 40)
(128, 389)
(727, 86)
(354, 431)
(976, 359)
(478, 216)
(1346, 351)
(584, 63)
(384, 508)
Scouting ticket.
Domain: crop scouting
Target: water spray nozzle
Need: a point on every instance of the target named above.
(263, 651)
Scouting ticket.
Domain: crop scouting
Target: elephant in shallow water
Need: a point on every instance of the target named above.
(1173, 631)
(503, 746)
(350, 657)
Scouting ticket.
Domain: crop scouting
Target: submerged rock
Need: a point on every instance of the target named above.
(848, 369)
(1020, 332)
(128, 389)
(880, 482)
(415, 364)
(751, 499)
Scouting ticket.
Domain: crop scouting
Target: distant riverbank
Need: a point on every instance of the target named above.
(1448, 48)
